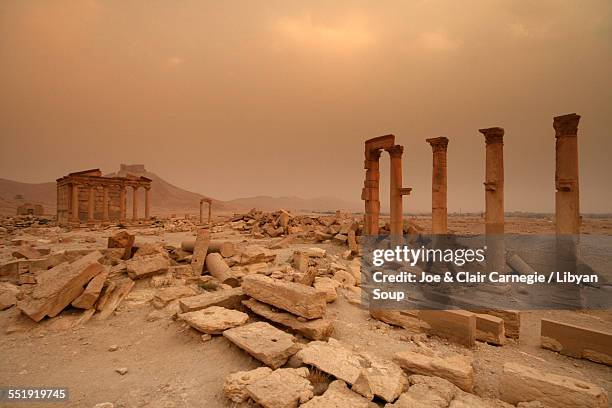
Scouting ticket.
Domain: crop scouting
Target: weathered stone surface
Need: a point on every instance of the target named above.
(316, 329)
(345, 278)
(458, 326)
(457, 369)
(490, 329)
(124, 240)
(166, 295)
(396, 318)
(426, 392)
(87, 299)
(216, 266)
(236, 383)
(228, 298)
(200, 250)
(576, 341)
(255, 254)
(339, 396)
(214, 319)
(59, 286)
(524, 384)
(383, 379)
(263, 341)
(8, 295)
(120, 291)
(283, 388)
(512, 321)
(147, 265)
(327, 286)
(298, 299)
(26, 252)
(334, 358)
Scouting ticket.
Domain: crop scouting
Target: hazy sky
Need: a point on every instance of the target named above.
(241, 98)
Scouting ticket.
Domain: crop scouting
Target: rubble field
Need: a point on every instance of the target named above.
(264, 309)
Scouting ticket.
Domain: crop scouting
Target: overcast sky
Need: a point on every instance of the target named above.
(241, 98)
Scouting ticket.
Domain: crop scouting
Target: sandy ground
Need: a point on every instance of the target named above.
(170, 366)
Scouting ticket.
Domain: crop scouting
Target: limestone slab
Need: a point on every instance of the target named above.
(235, 384)
(263, 341)
(147, 265)
(338, 395)
(214, 319)
(457, 368)
(577, 341)
(383, 379)
(283, 388)
(228, 298)
(87, 299)
(334, 358)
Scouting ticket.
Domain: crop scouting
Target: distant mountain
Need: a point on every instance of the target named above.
(267, 203)
(167, 198)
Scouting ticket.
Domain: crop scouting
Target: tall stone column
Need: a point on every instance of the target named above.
(494, 198)
(147, 203)
(91, 203)
(135, 203)
(370, 191)
(395, 196)
(567, 200)
(210, 213)
(439, 219)
(104, 204)
(74, 205)
(201, 212)
(122, 206)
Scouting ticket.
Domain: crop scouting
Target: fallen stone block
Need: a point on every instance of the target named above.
(255, 254)
(298, 299)
(345, 278)
(524, 384)
(228, 298)
(426, 392)
(283, 388)
(166, 295)
(200, 250)
(59, 286)
(181, 271)
(576, 341)
(396, 318)
(282, 243)
(457, 369)
(148, 265)
(266, 343)
(316, 329)
(338, 395)
(87, 299)
(334, 358)
(114, 298)
(235, 384)
(512, 321)
(124, 240)
(458, 326)
(490, 329)
(327, 286)
(26, 252)
(383, 379)
(163, 280)
(216, 266)
(214, 319)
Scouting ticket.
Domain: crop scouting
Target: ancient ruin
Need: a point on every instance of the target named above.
(567, 196)
(30, 209)
(438, 185)
(209, 202)
(87, 197)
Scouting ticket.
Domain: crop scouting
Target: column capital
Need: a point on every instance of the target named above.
(395, 151)
(566, 125)
(438, 144)
(373, 155)
(493, 135)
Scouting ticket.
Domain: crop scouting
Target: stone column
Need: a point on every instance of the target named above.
(494, 198)
(147, 203)
(439, 223)
(74, 206)
(395, 198)
(210, 213)
(201, 212)
(122, 206)
(105, 204)
(91, 203)
(135, 203)
(370, 191)
(567, 200)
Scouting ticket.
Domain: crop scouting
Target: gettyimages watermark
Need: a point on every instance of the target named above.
(487, 272)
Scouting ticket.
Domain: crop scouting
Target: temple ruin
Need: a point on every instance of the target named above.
(30, 209)
(567, 197)
(439, 220)
(87, 197)
(202, 201)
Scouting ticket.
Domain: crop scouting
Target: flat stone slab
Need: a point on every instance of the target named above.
(383, 379)
(577, 341)
(335, 359)
(87, 299)
(148, 265)
(457, 369)
(228, 298)
(214, 319)
(265, 342)
(427, 392)
(523, 384)
(164, 296)
(339, 396)
(327, 286)
(235, 384)
(283, 388)
(59, 286)
(316, 329)
(301, 300)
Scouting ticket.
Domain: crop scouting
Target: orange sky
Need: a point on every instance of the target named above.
(242, 98)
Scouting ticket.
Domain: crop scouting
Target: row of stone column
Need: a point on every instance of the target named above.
(74, 214)
(567, 199)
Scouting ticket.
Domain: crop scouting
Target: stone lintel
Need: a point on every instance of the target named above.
(566, 125)
(493, 135)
